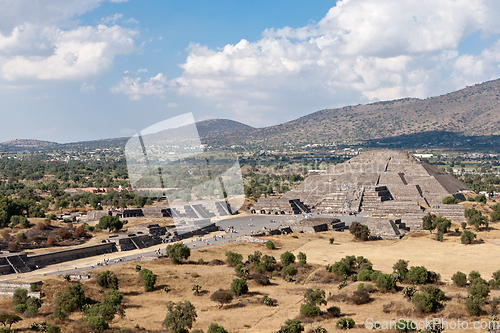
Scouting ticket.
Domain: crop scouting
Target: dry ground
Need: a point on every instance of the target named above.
(248, 314)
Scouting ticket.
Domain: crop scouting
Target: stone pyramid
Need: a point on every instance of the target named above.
(385, 183)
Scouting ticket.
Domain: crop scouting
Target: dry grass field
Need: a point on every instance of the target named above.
(248, 314)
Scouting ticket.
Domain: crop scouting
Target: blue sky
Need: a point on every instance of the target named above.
(73, 70)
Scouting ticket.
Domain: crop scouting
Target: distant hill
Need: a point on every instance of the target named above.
(469, 112)
(26, 143)
(473, 111)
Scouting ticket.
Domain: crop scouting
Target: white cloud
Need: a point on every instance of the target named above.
(361, 51)
(77, 54)
(87, 88)
(41, 41)
(132, 86)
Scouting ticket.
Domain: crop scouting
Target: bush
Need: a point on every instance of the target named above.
(239, 286)
(287, 258)
(270, 245)
(495, 216)
(345, 323)
(339, 268)
(467, 237)
(214, 328)
(96, 323)
(309, 310)
(291, 326)
(474, 305)
(359, 231)
(360, 297)
(110, 222)
(334, 311)
(21, 236)
(450, 200)
(107, 279)
(405, 326)
(473, 275)
(418, 275)
(180, 316)
(409, 291)
(148, 279)
(70, 300)
(176, 252)
(288, 270)
(434, 292)
(222, 296)
(268, 262)
(459, 279)
(331, 240)
(385, 281)
(233, 258)
(365, 275)
(424, 302)
(478, 288)
(267, 301)
(138, 268)
(80, 232)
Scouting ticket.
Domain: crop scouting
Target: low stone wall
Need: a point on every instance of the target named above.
(71, 254)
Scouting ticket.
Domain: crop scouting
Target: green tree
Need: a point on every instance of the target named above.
(9, 319)
(96, 323)
(222, 296)
(176, 252)
(239, 286)
(180, 317)
(270, 245)
(315, 296)
(467, 237)
(70, 300)
(401, 267)
(291, 326)
(111, 223)
(107, 279)
(459, 279)
(148, 279)
(287, 258)
(233, 258)
(214, 328)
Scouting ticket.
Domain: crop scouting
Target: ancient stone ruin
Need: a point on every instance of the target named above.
(385, 183)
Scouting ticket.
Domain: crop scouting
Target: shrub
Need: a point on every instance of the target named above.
(345, 323)
(214, 328)
(418, 275)
(267, 301)
(148, 279)
(467, 237)
(365, 275)
(474, 305)
(495, 216)
(138, 268)
(478, 288)
(180, 316)
(359, 231)
(360, 297)
(362, 263)
(334, 311)
(107, 279)
(51, 241)
(109, 306)
(309, 310)
(110, 222)
(291, 326)
(302, 257)
(434, 292)
(96, 323)
(459, 279)
(331, 240)
(239, 286)
(222, 296)
(70, 300)
(405, 326)
(270, 245)
(318, 329)
(409, 291)
(386, 282)
(288, 270)
(450, 200)
(315, 296)
(233, 258)
(339, 268)
(473, 275)
(176, 252)
(21, 236)
(268, 262)
(287, 258)
(424, 302)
